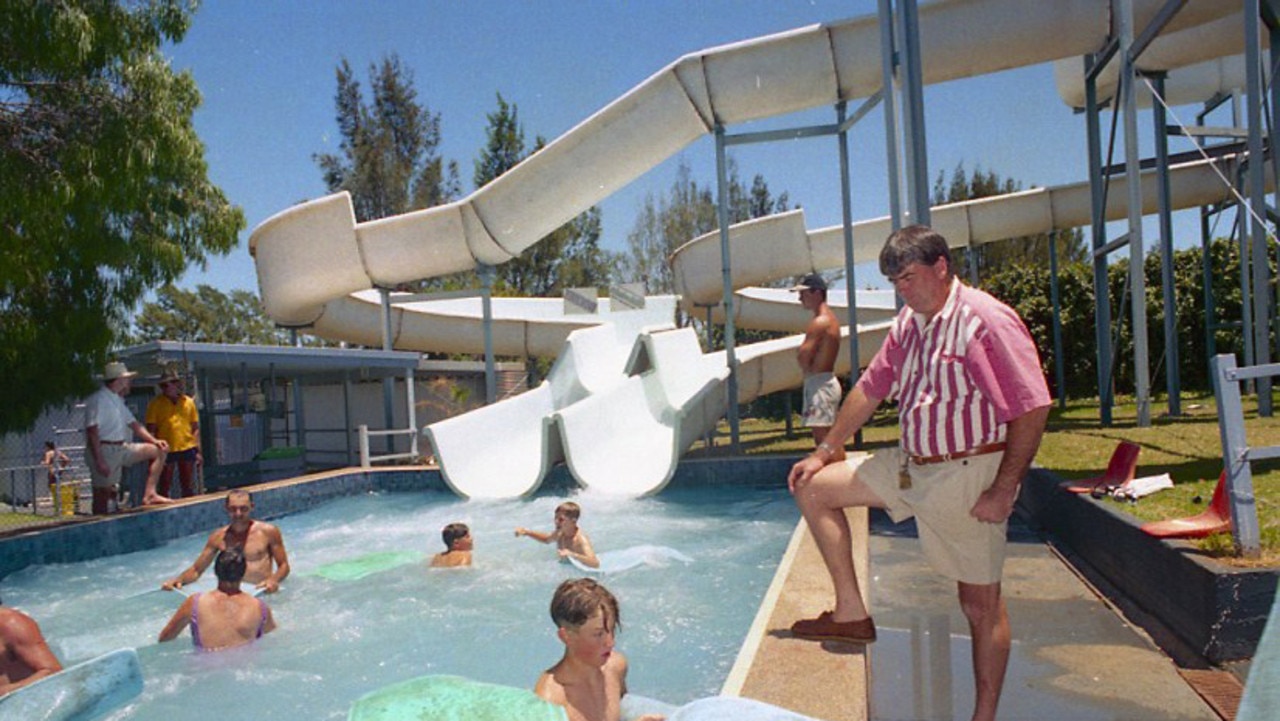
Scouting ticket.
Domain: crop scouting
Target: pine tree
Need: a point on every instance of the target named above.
(389, 157)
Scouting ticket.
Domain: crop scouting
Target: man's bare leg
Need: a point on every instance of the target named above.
(820, 435)
(156, 458)
(166, 478)
(988, 619)
(187, 477)
(822, 502)
(102, 497)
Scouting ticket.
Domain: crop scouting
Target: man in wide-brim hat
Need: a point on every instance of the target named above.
(108, 423)
(172, 416)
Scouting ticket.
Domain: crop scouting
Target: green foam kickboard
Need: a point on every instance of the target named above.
(452, 698)
(352, 569)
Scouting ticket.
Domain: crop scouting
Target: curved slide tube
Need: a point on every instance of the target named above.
(624, 437)
(504, 450)
(629, 439)
(315, 253)
(974, 222)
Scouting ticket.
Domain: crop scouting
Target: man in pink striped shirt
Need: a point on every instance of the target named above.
(972, 406)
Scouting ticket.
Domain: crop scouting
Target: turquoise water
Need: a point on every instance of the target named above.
(682, 624)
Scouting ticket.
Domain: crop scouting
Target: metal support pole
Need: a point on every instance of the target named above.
(1241, 237)
(1058, 369)
(913, 114)
(1273, 31)
(888, 67)
(731, 359)
(388, 384)
(1206, 275)
(1098, 230)
(1137, 278)
(1172, 364)
(846, 209)
(346, 415)
(1257, 202)
(411, 412)
(487, 274)
(299, 415)
(1235, 448)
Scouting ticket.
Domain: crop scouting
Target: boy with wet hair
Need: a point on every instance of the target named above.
(591, 678)
(457, 545)
(571, 541)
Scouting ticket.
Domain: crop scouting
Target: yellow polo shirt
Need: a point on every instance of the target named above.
(175, 421)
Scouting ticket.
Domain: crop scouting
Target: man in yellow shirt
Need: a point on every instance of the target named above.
(172, 416)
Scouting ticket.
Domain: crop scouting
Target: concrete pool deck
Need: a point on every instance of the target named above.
(1074, 656)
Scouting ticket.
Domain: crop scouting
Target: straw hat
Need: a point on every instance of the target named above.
(116, 369)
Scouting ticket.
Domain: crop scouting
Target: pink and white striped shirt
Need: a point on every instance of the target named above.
(960, 378)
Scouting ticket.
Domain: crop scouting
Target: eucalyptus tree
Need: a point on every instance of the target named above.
(104, 188)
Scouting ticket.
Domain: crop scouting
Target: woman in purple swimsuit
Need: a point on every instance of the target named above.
(225, 617)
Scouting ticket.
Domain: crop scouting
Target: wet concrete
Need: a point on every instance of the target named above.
(1073, 656)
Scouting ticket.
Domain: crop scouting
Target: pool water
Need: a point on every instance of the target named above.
(682, 624)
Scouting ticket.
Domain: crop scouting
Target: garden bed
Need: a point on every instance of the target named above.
(1218, 610)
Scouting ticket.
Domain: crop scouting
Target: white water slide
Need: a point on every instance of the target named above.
(628, 394)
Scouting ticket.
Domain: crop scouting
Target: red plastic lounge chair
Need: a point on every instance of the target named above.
(1120, 470)
(1216, 518)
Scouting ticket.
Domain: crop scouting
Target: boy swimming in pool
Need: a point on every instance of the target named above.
(591, 678)
(571, 541)
(457, 544)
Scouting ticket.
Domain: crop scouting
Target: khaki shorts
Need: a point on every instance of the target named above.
(117, 457)
(955, 543)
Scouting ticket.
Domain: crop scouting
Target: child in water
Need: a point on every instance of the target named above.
(591, 678)
(571, 541)
(457, 545)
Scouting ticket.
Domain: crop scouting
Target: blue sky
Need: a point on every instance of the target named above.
(266, 69)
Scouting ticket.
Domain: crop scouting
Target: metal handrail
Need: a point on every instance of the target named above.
(367, 460)
(1237, 456)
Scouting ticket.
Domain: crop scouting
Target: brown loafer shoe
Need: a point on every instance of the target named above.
(823, 628)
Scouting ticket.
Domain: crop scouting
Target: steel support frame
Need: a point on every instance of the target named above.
(1262, 294)
(1133, 187)
(1236, 454)
(1128, 43)
(1098, 231)
(899, 30)
(1164, 203)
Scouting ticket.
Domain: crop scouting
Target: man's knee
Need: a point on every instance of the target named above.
(981, 603)
(829, 489)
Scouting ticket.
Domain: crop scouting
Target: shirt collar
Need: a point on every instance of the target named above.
(948, 307)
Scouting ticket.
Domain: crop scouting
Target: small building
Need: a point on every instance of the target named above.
(269, 412)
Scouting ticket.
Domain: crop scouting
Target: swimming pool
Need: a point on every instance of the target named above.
(682, 623)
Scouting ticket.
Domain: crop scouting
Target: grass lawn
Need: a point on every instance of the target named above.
(1187, 447)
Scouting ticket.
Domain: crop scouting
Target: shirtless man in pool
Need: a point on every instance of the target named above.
(261, 542)
(24, 656)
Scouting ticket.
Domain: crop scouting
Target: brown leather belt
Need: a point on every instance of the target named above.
(975, 451)
(112, 443)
